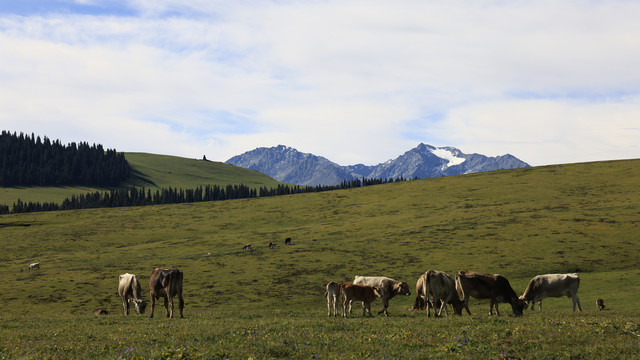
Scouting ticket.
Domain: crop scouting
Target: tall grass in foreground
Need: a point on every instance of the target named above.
(551, 334)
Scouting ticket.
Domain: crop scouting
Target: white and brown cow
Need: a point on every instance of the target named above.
(332, 295)
(167, 284)
(388, 288)
(34, 266)
(552, 285)
(440, 286)
(129, 291)
(363, 293)
(488, 286)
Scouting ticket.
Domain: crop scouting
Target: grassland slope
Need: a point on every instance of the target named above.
(152, 172)
(569, 218)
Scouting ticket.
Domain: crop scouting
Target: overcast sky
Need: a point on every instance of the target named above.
(354, 81)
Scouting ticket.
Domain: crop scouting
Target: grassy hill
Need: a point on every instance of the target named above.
(568, 218)
(153, 172)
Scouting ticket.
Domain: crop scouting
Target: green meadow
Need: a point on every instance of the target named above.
(269, 303)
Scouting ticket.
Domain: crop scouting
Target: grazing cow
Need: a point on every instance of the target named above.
(34, 266)
(600, 304)
(420, 303)
(129, 290)
(101, 312)
(247, 247)
(364, 293)
(488, 286)
(552, 285)
(440, 286)
(272, 245)
(388, 288)
(287, 241)
(166, 283)
(333, 294)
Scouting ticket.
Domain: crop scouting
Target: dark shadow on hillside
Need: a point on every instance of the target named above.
(140, 179)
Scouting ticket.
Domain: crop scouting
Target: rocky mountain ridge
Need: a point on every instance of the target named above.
(289, 165)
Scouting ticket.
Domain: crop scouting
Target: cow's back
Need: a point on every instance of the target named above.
(384, 283)
(162, 280)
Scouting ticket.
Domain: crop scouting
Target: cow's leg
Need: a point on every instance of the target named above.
(153, 304)
(181, 304)
(465, 302)
(540, 305)
(344, 307)
(444, 305)
(125, 305)
(576, 300)
(385, 304)
(429, 306)
(335, 305)
(166, 305)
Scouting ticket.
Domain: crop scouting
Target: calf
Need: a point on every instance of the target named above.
(440, 285)
(488, 286)
(247, 247)
(388, 288)
(600, 304)
(34, 266)
(129, 291)
(332, 295)
(167, 284)
(364, 293)
(552, 285)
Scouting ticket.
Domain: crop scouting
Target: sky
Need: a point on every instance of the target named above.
(353, 81)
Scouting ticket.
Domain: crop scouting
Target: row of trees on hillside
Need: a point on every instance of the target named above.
(143, 197)
(32, 161)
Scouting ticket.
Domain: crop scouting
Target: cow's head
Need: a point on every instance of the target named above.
(401, 288)
(141, 305)
(458, 305)
(523, 300)
(518, 305)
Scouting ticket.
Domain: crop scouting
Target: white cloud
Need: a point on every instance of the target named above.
(353, 81)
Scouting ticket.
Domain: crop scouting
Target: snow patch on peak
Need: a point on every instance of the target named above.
(449, 156)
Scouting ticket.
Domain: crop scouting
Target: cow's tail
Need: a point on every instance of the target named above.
(459, 287)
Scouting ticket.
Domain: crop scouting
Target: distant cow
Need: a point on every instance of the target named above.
(272, 245)
(333, 294)
(247, 247)
(363, 293)
(552, 285)
(166, 283)
(101, 312)
(388, 288)
(34, 266)
(488, 286)
(439, 285)
(287, 241)
(600, 304)
(129, 290)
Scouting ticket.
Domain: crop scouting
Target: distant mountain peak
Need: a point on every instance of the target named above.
(289, 165)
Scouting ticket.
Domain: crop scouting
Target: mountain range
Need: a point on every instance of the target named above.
(291, 166)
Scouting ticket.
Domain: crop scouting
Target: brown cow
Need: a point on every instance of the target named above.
(388, 288)
(488, 286)
(332, 295)
(166, 283)
(364, 293)
(440, 286)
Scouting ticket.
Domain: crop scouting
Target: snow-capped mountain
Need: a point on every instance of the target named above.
(288, 165)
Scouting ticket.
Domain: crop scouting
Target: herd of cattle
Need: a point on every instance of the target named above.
(436, 289)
